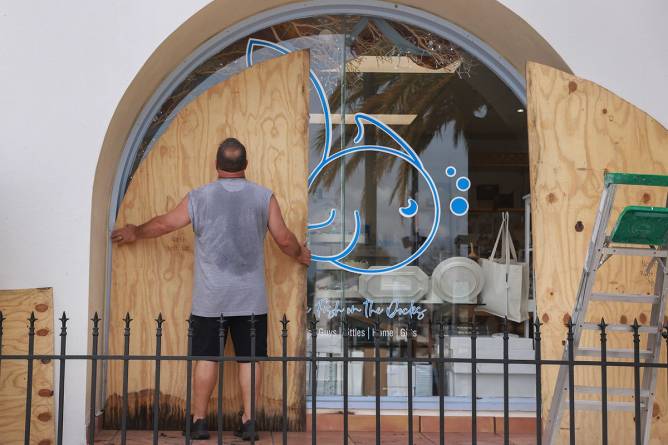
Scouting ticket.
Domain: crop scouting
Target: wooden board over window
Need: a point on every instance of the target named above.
(266, 108)
(577, 131)
(16, 306)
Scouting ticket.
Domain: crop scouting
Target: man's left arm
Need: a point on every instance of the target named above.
(160, 225)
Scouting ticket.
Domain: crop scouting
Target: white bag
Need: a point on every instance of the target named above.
(506, 290)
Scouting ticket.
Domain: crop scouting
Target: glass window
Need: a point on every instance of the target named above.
(427, 147)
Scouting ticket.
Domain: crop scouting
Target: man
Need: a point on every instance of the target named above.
(230, 218)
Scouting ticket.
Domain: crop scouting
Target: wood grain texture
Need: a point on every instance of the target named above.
(16, 306)
(577, 131)
(266, 108)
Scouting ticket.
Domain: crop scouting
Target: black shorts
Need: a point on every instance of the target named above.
(206, 340)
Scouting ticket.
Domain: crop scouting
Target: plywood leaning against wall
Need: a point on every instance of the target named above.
(266, 108)
(577, 131)
(16, 307)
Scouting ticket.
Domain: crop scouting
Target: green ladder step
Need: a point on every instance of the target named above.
(641, 225)
(636, 179)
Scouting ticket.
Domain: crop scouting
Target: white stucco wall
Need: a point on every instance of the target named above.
(63, 69)
(65, 66)
(619, 44)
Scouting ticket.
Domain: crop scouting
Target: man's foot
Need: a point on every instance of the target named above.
(199, 430)
(244, 431)
(239, 432)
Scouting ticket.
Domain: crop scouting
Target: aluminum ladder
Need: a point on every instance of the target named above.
(646, 229)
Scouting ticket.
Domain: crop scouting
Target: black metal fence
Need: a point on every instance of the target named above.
(443, 330)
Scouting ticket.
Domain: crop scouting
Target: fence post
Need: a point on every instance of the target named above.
(93, 379)
(441, 381)
(31, 351)
(539, 384)
(376, 348)
(665, 337)
(636, 379)
(284, 363)
(221, 370)
(126, 365)
(604, 381)
(571, 383)
(409, 341)
(189, 377)
(474, 389)
(61, 384)
(253, 392)
(506, 392)
(2, 319)
(156, 391)
(344, 329)
(314, 376)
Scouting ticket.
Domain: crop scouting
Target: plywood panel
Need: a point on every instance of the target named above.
(16, 306)
(577, 131)
(265, 107)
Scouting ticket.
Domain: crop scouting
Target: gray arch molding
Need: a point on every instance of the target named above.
(391, 11)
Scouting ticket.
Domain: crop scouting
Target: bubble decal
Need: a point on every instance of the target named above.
(459, 206)
(463, 184)
(410, 210)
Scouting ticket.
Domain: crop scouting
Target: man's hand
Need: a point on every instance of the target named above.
(304, 256)
(127, 234)
(160, 225)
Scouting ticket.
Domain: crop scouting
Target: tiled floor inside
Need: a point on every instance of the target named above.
(109, 437)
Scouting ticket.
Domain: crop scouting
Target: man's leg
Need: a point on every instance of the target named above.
(240, 328)
(206, 342)
(245, 383)
(205, 376)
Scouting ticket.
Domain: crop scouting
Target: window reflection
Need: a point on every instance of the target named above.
(463, 120)
(463, 123)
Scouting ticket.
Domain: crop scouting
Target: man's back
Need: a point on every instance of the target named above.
(229, 218)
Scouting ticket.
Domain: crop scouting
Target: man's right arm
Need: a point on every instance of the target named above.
(286, 240)
(160, 225)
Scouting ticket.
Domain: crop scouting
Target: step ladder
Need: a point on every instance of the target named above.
(646, 230)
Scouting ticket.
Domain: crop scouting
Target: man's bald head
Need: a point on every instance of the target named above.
(231, 156)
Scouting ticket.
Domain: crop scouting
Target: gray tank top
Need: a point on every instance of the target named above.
(229, 218)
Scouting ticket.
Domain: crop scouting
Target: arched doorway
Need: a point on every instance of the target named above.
(133, 131)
